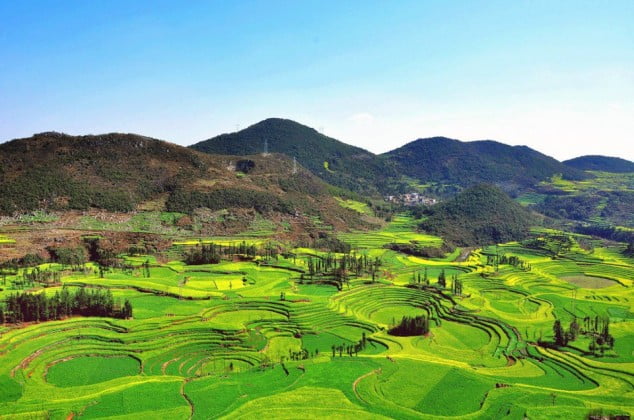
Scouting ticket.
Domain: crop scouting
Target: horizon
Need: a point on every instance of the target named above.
(298, 122)
(558, 78)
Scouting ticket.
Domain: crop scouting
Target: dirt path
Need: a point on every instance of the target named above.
(189, 401)
(464, 254)
(359, 379)
(166, 364)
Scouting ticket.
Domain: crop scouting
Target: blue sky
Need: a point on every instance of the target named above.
(555, 75)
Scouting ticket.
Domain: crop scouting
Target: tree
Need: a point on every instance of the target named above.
(442, 280)
(573, 331)
(126, 312)
(560, 336)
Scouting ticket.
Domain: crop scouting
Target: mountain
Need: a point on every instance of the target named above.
(480, 215)
(124, 172)
(335, 162)
(444, 160)
(438, 159)
(600, 163)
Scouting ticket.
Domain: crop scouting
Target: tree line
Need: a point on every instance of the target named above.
(31, 307)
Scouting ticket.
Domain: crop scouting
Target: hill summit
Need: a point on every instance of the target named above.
(601, 163)
(126, 172)
(335, 162)
(480, 215)
(441, 159)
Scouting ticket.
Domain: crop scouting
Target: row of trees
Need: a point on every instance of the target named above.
(338, 270)
(30, 307)
(515, 261)
(351, 349)
(424, 280)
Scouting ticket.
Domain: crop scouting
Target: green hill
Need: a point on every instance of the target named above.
(335, 162)
(122, 172)
(600, 163)
(440, 159)
(480, 215)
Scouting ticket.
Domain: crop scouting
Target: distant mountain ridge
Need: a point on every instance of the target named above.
(600, 163)
(436, 159)
(441, 159)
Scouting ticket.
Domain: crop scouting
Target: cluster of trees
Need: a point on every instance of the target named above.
(37, 275)
(74, 257)
(421, 251)
(606, 232)
(580, 207)
(29, 307)
(410, 326)
(339, 269)
(212, 253)
(302, 354)
(29, 260)
(424, 280)
(597, 329)
(328, 243)
(515, 261)
(617, 210)
(555, 244)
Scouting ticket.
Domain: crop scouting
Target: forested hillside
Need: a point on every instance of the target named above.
(337, 163)
(600, 163)
(440, 159)
(480, 215)
(123, 172)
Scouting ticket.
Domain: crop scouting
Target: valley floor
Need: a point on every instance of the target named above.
(259, 339)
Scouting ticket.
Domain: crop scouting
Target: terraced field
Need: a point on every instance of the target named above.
(263, 338)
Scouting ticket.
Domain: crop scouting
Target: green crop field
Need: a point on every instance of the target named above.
(274, 337)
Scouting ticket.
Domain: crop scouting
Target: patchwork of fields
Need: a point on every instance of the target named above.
(262, 338)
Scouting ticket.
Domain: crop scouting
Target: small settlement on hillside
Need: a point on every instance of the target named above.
(411, 199)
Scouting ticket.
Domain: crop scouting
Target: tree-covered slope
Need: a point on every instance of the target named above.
(441, 159)
(119, 172)
(480, 215)
(600, 163)
(337, 163)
